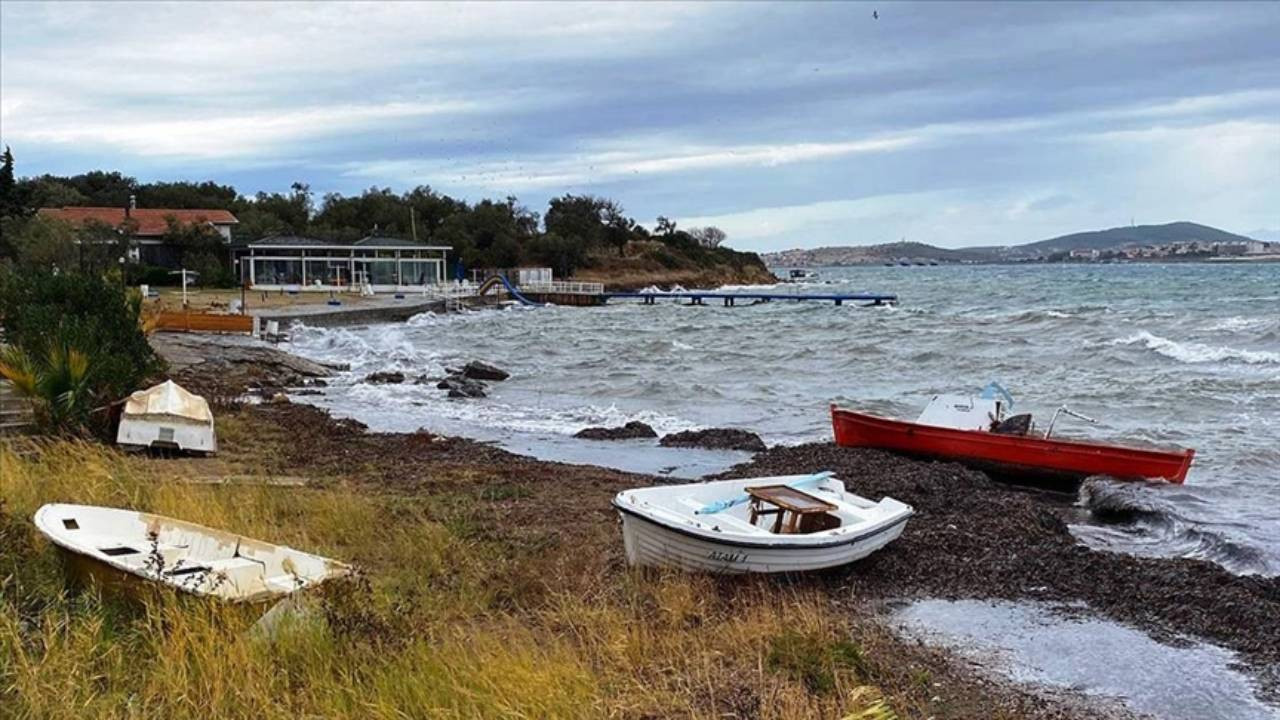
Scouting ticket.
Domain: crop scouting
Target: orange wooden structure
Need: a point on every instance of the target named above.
(204, 322)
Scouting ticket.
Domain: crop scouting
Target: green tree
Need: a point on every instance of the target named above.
(200, 248)
(11, 201)
(48, 191)
(40, 242)
(665, 227)
(269, 213)
(46, 315)
(58, 381)
(375, 210)
(577, 218)
(103, 189)
(180, 195)
(563, 256)
(709, 236)
(431, 209)
(99, 246)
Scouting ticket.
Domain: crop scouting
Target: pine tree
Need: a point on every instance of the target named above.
(9, 201)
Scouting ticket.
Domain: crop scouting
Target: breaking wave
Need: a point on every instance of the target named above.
(1134, 517)
(1240, 324)
(1190, 352)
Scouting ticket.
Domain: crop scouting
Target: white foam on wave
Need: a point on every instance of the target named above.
(389, 348)
(556, 421)
(402, 407)
(1190, 352)
(747, 288)
(1238, 323)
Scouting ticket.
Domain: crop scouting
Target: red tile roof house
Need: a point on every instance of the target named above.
(151, 224)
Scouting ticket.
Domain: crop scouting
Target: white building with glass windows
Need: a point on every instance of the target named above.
(384, 264)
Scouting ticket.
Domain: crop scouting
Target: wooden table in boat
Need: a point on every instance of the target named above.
(787, 499)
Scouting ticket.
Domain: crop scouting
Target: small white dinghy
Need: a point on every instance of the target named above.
(123, 548)
(167, 416)
(787, 523)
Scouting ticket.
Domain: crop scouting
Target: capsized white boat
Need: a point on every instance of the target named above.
(787, 523)
(167, 416)
(120, 548)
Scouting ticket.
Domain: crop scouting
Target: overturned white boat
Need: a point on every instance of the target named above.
(122, 549)
(167, 416)
(787, 523)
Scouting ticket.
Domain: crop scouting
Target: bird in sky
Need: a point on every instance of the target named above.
(875, 15)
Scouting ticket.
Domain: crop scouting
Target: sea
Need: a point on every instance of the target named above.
(1181, 354)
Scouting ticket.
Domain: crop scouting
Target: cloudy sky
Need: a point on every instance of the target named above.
(792, 125)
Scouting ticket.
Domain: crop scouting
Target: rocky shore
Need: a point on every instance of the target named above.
(971, 537)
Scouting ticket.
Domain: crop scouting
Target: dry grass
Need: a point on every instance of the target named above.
(434, 627)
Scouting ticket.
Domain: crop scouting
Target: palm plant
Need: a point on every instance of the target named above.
(58, 382)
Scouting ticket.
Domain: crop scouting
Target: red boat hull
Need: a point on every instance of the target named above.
(1012, 454)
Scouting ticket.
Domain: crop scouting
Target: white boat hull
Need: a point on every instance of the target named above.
(660, 530)
(649, 544)
(125, 549)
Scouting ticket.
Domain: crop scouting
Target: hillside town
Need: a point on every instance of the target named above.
(1244, 250)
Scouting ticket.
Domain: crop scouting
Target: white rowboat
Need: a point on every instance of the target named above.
(167, 416)
(709, 526)
(123, 548)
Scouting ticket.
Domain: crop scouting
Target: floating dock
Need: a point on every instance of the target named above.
(699, 297)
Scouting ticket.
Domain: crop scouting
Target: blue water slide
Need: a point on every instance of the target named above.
(488, 284)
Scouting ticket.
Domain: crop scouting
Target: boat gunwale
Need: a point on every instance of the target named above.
(719, 538)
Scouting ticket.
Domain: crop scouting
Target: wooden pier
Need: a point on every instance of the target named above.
(697, 297)
(575, 293)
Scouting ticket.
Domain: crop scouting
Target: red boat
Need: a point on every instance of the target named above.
(973, 431)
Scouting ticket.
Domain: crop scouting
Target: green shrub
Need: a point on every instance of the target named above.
(58, 381)
(152, 275)
(667, 259)
(55, 323)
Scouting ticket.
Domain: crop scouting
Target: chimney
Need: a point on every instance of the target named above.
(133, 205)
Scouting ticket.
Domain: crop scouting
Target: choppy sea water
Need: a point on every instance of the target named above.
(1179, 354)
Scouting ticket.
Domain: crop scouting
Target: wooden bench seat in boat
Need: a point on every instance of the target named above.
(794, 511)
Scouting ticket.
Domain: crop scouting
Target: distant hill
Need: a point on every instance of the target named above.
(1176, 233)
(876, 254)
(1172, 233)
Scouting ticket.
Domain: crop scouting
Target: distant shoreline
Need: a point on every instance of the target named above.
(1260, 259)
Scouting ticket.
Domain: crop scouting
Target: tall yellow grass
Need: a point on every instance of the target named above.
(428, 630)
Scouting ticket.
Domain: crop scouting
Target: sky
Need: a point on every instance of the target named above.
(786, 125)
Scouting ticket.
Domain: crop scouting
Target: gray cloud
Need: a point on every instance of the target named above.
(791, 124)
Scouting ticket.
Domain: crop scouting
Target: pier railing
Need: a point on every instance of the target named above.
(451, 290)
(563, 287)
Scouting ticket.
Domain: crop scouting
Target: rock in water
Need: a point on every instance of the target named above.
(385, 378)
(631, 431)
(477, 370)
(461, 387)
(715, 439)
